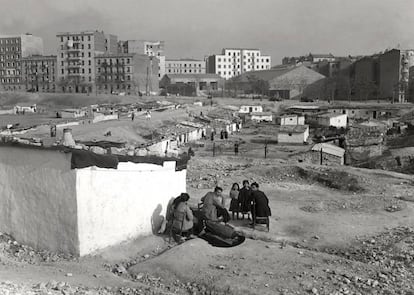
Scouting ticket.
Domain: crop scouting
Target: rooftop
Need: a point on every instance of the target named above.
(261, 114)
(330, 115)
(87, 32)
(329, 149)
(184, 59)
(194, 76)
(293, 128)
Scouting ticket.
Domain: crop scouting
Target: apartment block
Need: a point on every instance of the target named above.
(39, 73)
(235, 61)
(12, 49)
(185, 66)
(75, 59)
(126, 73)
(394, 74)
(150, 48)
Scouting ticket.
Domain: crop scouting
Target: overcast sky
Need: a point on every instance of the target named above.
(195, 28)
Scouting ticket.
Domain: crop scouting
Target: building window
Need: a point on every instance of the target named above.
(89, 62)
(89, 38)
(89, 54)
(90, 71)
(89, 46)
(63, 72)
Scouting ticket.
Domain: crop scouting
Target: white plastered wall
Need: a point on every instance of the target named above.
(117, 205)
(38, 198)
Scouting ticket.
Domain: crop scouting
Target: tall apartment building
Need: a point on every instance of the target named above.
(185, 66)
(39, 73)
(150, 48)
(235, 61)
(12, 49)
(75, 58)
(128, 73)
(394, 74)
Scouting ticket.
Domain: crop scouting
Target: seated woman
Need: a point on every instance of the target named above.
(182, 217)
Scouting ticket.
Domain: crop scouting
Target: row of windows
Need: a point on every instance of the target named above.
(76, 72)
(181, 65)
(185, 71)
(245, 67)
(39, 64)
(118, 86)
(120, 70)
(10, 72)
(10, 80)
(111, 61)
(10, 41)
(43, 79)
(248, 60)
(230, 53)
(9, 64)
(229, 73)
(11, 49)
(74, 38)
(119, 78)
(9, 57)
(64, 47)
(62, 63)
(62, 55)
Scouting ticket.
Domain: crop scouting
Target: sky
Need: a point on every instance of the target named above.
(197, 28)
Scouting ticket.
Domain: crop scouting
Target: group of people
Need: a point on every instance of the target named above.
(248, 200)
(215, 207)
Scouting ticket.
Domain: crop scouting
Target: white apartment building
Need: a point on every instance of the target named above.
(235, 61)
(75, 59)
(150, 48)
(185, 66)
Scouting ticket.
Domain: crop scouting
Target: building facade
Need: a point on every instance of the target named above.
(394, 69)
(75, 59)
(12, 49)
(236, 61)
(127, 73)
(191, 84)
(150, 48)
(39, 73)
(185, 66)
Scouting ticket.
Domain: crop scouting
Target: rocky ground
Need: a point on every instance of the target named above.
(334, 230)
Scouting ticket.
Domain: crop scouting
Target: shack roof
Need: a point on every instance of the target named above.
(293, 128)
(330, 115)
(329, 149)
(261, 114)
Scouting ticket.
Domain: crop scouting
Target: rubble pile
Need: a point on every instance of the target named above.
(24, 253)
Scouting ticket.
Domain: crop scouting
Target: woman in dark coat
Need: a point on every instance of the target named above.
(245, 199)
(260, 201)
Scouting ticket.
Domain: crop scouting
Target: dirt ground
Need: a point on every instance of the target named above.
(333, 230)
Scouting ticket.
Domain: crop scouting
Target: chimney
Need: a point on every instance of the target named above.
(67, 138)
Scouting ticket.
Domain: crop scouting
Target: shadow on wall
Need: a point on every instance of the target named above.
(159, 223)
(156, 219)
